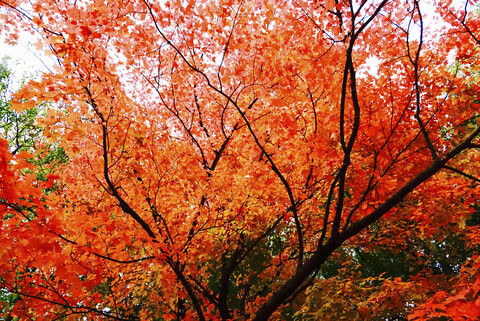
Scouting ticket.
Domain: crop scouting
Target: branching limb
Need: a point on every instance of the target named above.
(349, 75)
(417, 72)
(285, 183)
(396, 198)
(191, 293)
(112, 188)
(473, 178)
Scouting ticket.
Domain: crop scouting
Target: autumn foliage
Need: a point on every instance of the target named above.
(247, 160)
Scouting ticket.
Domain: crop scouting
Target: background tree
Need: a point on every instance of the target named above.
(18, 128)
(21, 135)
(225, 155)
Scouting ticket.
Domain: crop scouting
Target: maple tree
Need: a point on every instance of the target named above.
(247, 160)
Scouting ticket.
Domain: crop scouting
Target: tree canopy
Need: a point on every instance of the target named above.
(244, 160)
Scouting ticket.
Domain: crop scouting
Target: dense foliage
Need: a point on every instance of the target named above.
(246, 160)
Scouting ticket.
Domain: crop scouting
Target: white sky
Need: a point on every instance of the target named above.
(25, 60)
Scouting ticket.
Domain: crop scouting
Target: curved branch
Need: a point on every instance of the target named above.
(189, 289)
(113, 189)
(473, 178)
(415, 63)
